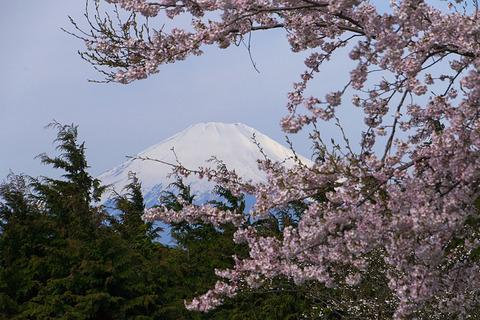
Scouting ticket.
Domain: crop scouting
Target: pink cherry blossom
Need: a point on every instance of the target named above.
(407, 194)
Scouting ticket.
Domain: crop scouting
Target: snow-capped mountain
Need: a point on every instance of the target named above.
(193, 147)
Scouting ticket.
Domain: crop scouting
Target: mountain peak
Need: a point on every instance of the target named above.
(193, 147)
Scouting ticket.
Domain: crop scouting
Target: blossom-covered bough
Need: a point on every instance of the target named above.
(408, 197)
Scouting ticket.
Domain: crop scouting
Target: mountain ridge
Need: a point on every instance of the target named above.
(193, 147)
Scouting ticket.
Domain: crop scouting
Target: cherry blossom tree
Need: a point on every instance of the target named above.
(408, 195)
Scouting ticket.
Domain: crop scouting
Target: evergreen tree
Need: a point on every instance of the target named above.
(69, 201)
(88, 264)
(61, 257)
(130, 205)
(148, 256)
(25, 243)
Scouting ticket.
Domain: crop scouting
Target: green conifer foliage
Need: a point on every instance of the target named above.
(73, 161)
(25, 243)
(60, 254)
(130, 205)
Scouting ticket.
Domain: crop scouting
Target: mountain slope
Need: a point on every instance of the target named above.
(193, 147)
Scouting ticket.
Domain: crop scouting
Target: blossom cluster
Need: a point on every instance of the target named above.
(141, 6)
(192, 213)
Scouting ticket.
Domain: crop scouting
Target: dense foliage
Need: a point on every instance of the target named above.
(63, 256)
(399, 213)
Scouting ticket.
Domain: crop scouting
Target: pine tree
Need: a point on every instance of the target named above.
(151, 293)
(130, 205)
(60, 255)
(70, 200)
(25, 243)
(83, 271)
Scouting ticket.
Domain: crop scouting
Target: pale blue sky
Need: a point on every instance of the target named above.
(43, 79)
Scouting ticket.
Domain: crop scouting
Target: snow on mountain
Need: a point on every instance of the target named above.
(193, 147)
